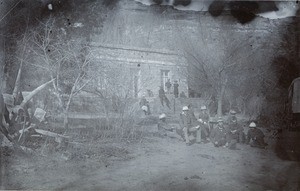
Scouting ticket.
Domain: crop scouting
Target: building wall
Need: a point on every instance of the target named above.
(144, 66)
(152, 77)
(152, 31)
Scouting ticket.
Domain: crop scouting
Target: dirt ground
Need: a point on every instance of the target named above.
(154, 163)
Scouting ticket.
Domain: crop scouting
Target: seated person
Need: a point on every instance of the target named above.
(218, 135)
(235, 131)
(255, 137)
(189, 126)
(144, 103)
(165, 129)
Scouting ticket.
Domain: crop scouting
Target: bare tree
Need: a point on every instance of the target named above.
(220, 60)
(114, 87)
(66, 62)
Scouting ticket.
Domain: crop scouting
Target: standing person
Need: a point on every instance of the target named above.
(167, 102)
(163, 98)
(204, 122)
(176, 91)
(162, 95)
(218, 135)
(256, 136)
(168, 86)
(188, 126)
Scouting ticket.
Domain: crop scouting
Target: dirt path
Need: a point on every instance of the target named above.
(166, 164)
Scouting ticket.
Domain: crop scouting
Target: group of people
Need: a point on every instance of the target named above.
(164, 100)
(162, 94)
(226, 133)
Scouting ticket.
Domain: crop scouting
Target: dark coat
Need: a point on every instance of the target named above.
(218, 134)
(204, 117)
(185, 120)
(168, 84)
(257, 136)
(161, 93)
(176, 85)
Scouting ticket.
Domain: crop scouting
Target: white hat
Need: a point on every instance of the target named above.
(162, 116)
(232, 111)
(252, 124)
(185, 108)
(203, 107)
(144, 108)
(50, 7)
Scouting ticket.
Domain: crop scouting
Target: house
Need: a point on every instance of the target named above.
(146, 69)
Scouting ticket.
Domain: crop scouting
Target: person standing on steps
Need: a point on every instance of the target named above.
(176, 91)
(163, 98)
(168, 86)
(161, 95)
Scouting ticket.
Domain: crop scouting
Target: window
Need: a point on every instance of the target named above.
(164, 77)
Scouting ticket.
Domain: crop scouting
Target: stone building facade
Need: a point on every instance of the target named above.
(149, 40)
(147, 69)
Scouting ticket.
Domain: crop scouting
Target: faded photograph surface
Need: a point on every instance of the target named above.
(149, 95)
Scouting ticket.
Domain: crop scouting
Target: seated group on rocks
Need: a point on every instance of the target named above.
(201, 130)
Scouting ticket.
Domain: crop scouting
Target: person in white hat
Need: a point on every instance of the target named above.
(218, 135)
(204, 122)
(189, 128)
(255, 137)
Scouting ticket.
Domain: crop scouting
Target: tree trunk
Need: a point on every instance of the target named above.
(2, 61)
(220, 100)
(66, 119)
(244, 107)
(66, 111)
